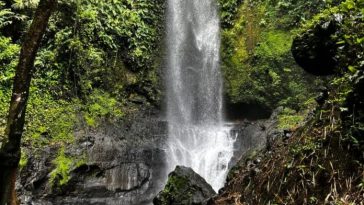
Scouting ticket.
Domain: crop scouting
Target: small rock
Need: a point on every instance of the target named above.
(287, 134)
(257, 161)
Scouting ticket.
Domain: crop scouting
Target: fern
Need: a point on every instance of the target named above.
(7, 16)
(23, 4)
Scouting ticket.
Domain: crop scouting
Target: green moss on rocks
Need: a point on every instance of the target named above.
(321, 162)
(23, 160)
(184, 187)
(64, 164)
(60, 175)
(289, 119)
(256, 59)
(173, 187)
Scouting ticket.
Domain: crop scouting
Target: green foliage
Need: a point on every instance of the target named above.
(101, 105)
(348, 20)
(304, 149)
(49, 120)
(94, 54)
(7, 16)
(289, 119)
(55, 121)
(257, 61)
(23, 160)
(99, 36)
(22, 4)
(63, 166)
(97, 45)
(8, 61)
(291, 13)
(276, 43)
(350, 38)
(228, 10)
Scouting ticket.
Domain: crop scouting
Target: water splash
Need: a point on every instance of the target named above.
(198, 137)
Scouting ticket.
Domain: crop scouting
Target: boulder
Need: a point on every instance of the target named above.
(184, 187)
(314, 50)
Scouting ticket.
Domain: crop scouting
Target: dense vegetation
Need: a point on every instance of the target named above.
(322, 161)
(257, 60)
(96, 58)
(318, 158)
(101, 60)
(99, 55)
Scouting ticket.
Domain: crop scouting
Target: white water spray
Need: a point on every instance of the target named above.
(198, 137)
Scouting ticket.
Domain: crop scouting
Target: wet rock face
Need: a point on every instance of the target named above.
(255, 135)
(314, 50)
(184, 187)
(127, 176)
(124, 165)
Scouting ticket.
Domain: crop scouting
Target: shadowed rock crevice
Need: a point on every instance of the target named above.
(122, 163)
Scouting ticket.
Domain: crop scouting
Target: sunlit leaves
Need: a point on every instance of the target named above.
(228, 9)
(22, 4)
(135, 21)
(8, 61)
(7, 16)
(348, 5)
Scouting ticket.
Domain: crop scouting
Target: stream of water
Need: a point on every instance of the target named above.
(197, 135)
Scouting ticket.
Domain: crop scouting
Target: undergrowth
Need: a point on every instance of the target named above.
(317, 165)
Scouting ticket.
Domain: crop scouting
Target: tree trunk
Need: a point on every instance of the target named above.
(10, 149)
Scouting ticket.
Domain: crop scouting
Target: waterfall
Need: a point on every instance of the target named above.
(197, 136)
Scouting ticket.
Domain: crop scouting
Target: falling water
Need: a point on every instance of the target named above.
(197, 135)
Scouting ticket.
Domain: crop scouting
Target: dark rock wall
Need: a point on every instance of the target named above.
(254, 135)
(125, 164)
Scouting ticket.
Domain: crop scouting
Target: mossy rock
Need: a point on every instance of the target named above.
(315, 50)
(184, 187)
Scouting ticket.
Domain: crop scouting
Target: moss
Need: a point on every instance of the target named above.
(257, 62)
(290, 119)
(174, 185)
(64, 164)
(101, 105)
(275, 44)
(237, 48)
(49, 120)
(23, 160)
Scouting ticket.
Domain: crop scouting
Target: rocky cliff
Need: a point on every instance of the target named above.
(115, 164)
